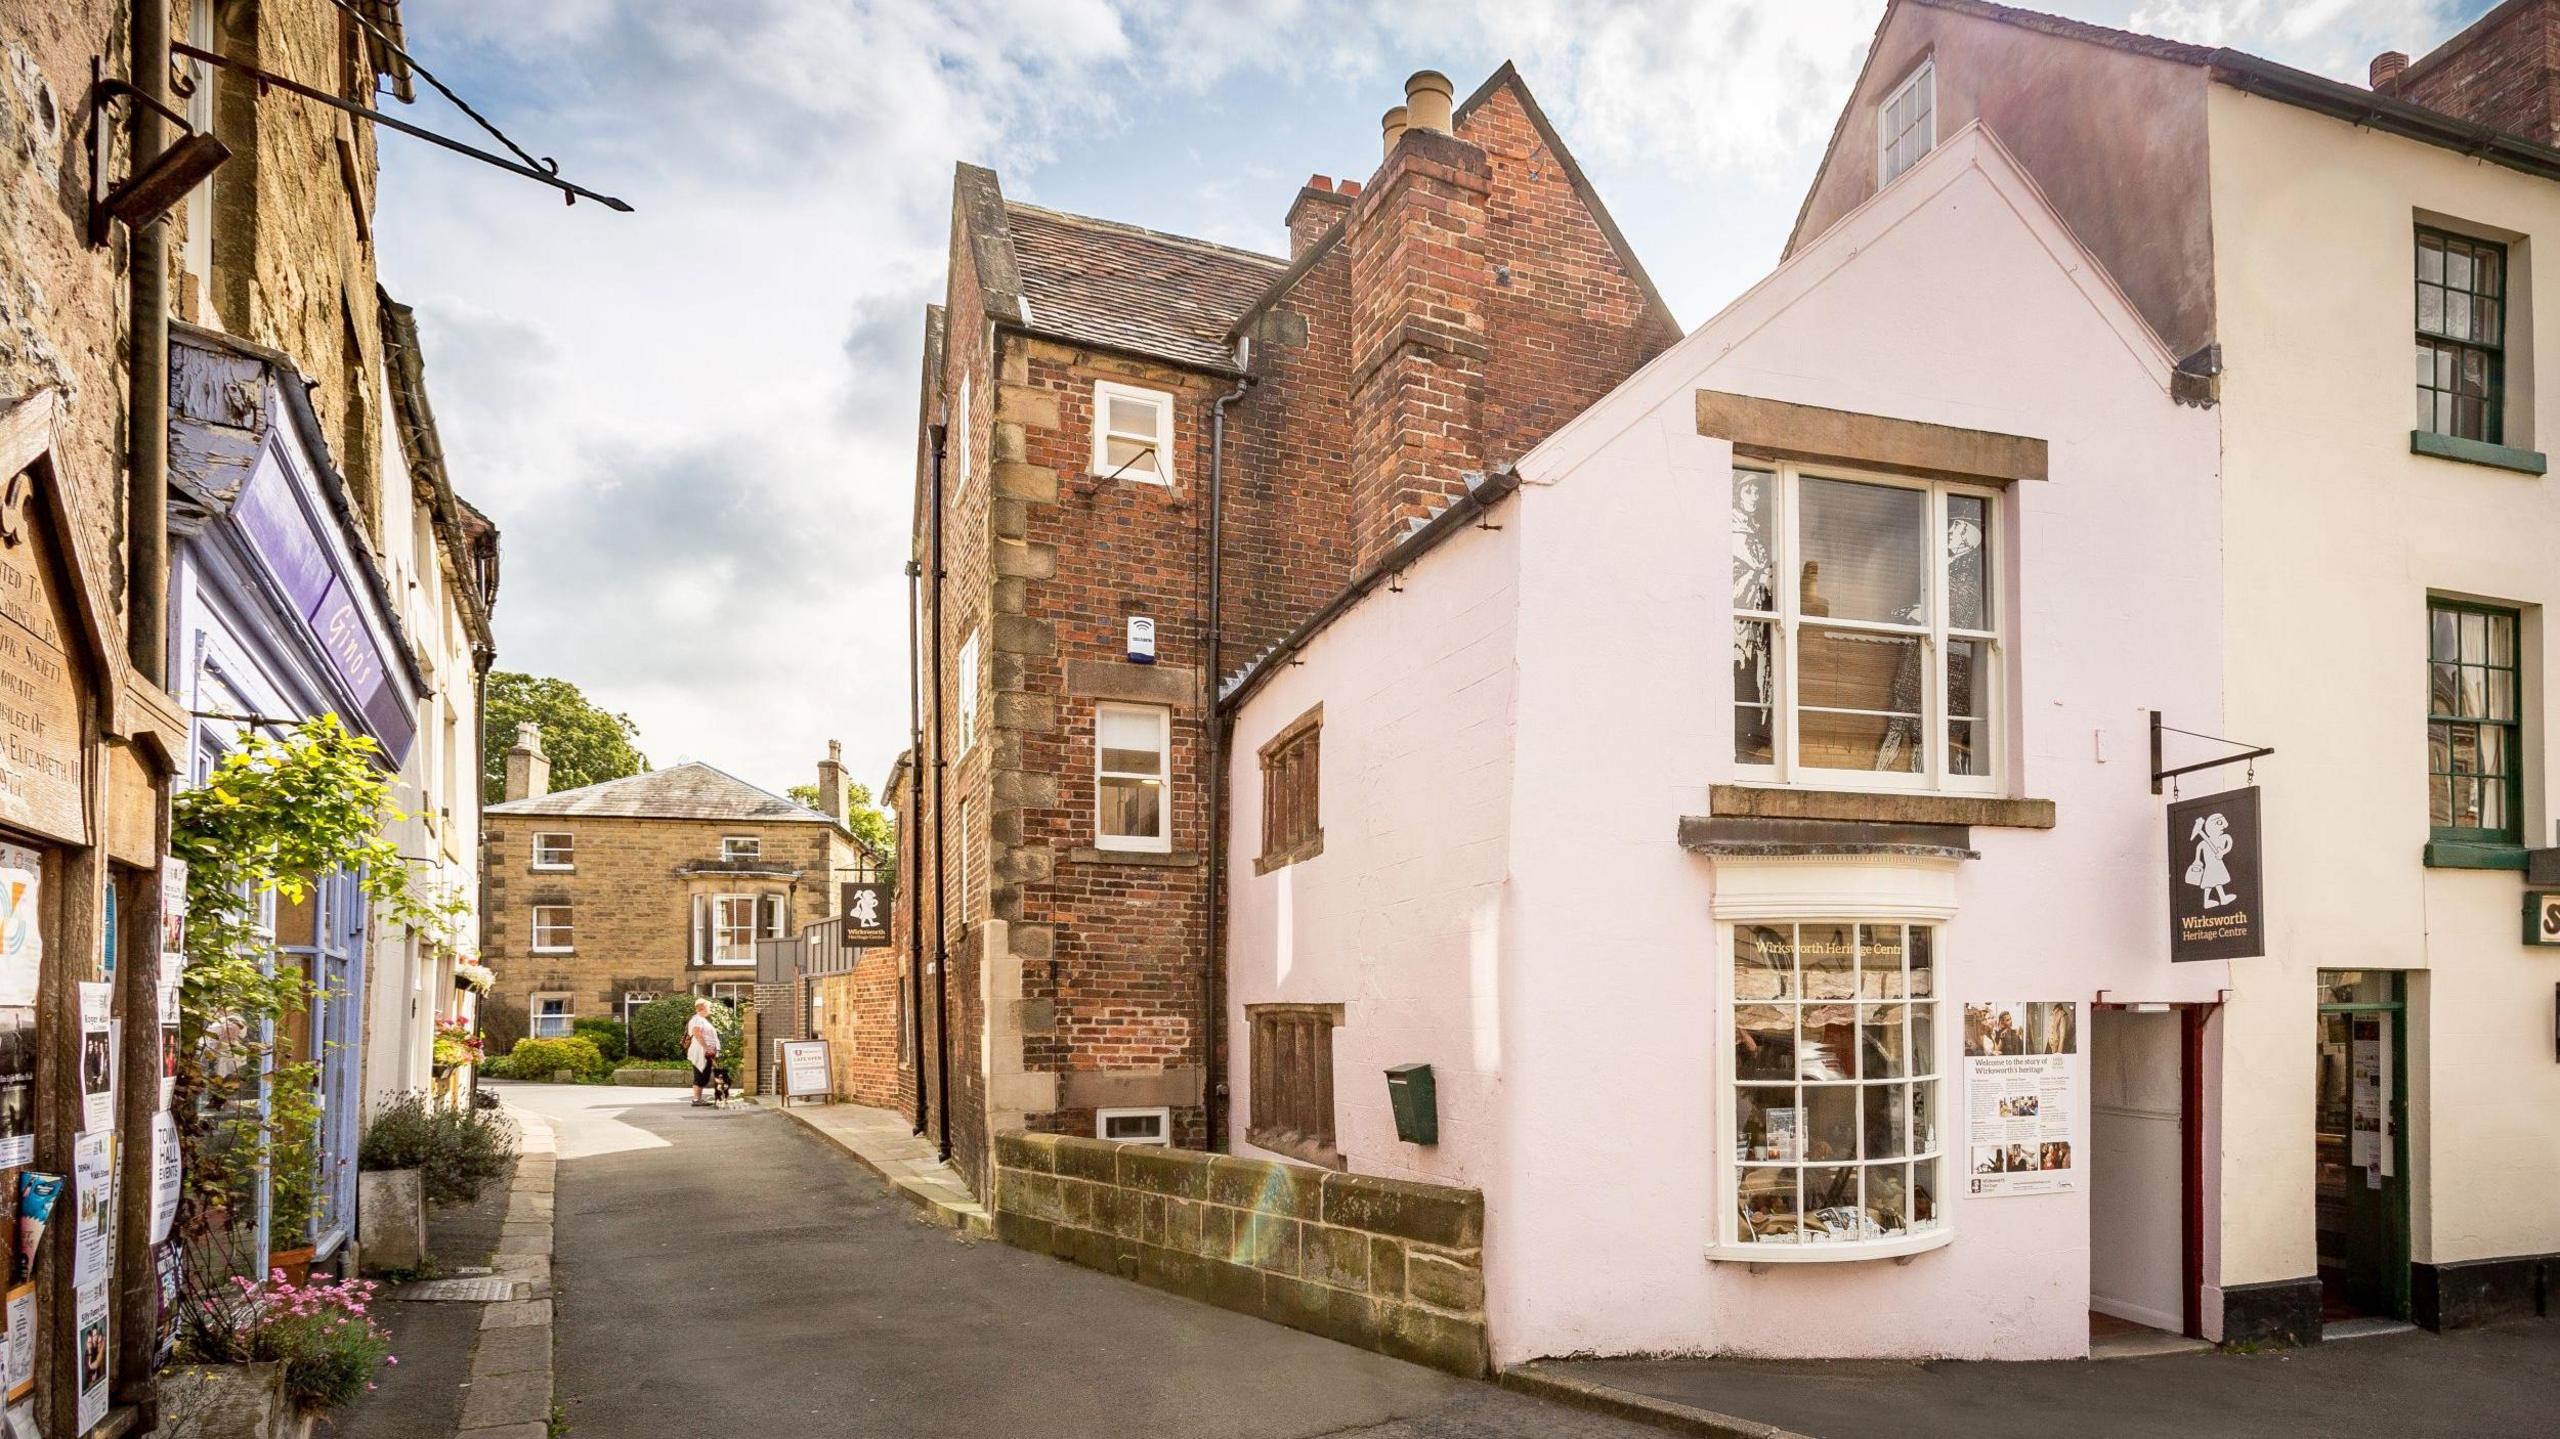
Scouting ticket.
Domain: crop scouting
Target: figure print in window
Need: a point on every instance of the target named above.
(2212, 836)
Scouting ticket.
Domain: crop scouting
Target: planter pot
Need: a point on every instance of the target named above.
(227, 1401)
(296, 1264)
(464, 985)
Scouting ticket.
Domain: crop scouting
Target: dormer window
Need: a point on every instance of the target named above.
(1132, 433)
(741, 846)
(1907, 123)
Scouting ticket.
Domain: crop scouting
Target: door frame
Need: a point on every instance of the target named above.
(2395, 1106)
(2193, 1018)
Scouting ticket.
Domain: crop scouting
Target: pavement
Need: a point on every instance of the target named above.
(885, 1142)
(732, 1271)
(2499, 1380)
(421, 1396)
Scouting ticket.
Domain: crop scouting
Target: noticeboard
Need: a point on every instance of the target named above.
(805, 1071)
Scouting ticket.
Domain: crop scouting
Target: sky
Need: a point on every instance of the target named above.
(694, 423)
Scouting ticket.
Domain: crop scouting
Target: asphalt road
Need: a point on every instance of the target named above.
(726, 1272)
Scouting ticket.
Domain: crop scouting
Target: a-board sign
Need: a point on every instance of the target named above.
(805, 1072)
(2217, 901)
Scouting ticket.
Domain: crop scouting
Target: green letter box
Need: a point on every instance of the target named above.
(1417, 1103)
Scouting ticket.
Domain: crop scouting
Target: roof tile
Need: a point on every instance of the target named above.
(1132, 289)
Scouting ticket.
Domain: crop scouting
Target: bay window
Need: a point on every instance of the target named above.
(1866, 642)
(1835, 1089)
(727, 926)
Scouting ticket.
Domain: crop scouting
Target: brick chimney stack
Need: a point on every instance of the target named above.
(1419, 277)
(831, 782)
(2502, 72)
(1318, 208)
(2386, 68)
(528, 768)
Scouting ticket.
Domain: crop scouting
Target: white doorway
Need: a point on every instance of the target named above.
(2140, 1273)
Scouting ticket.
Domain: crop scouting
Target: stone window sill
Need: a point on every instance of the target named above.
(1741, 801)
(2474, 854)
(2475, 452)
(1151, 858)
(1901, 1248)
(1282, 859)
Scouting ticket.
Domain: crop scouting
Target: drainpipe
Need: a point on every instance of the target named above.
(1213, 987)
(915, 852)
(147, 364)
(941, 926)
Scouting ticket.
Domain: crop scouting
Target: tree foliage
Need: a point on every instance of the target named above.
(868, 821)
(586, 743)
(657, 1028)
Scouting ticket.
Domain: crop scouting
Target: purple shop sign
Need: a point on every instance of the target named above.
(326, 604)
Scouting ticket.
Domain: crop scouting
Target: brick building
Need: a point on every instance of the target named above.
(1118, 425)
(600, 899)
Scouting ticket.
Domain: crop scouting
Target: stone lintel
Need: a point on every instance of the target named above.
(1177, 686)
(1743, 801)
(1776, 430)
(1102, 1089)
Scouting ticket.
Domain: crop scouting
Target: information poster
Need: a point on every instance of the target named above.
(17, 1087)
(165, 1260)
(21, 938)
(22, 1342)
(97, 1057)
(2368, 1080)
(93, 1202)
(166, 1168)
(93, 1355)
(804, 1068)
(2019, 1104)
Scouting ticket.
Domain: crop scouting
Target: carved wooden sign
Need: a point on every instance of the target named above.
(40, 748)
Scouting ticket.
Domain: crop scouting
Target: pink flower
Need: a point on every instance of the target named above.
(391, 1359)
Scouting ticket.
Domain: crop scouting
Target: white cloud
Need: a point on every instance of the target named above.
(695, 421)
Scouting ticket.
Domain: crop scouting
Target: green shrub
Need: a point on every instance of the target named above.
(657, 1028)
(455, 1151)
(497, 1067)
(653, 1064)
(548, 1058)
(605, 1034)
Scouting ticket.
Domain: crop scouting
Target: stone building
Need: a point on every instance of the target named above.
(600, 899)
(1144, 458)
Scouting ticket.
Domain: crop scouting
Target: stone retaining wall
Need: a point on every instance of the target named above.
(1384, 1264)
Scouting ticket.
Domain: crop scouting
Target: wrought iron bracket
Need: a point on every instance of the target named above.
(2249, 754)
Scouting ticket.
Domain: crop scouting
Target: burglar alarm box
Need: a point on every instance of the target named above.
(1417, 1103)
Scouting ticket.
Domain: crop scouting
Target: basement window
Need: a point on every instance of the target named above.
(1134, 1126)
(1132, 433)
(1907, 123)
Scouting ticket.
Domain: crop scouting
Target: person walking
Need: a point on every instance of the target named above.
(701, 1046)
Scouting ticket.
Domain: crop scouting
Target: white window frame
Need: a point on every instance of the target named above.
(1934, 634)
(1923, 75)
(741, 846)
(555, 858)
(568, 1014)
(965, 689)
(1137, 844)
(731, 992)
(566, 928)
(1104, 391)
(1161, 1114)
(633, 1001)
(722, 927)
(1727, 1242)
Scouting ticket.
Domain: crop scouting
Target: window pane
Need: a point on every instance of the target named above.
(1768, 1204)
(2440, 802)
(2431, 309)
(2502, 695)
(1880, 961)
(2431, 259)
(1754, 691)
(1129, 457)
(2457, 267)
(1886, 1207)
(1866, 556)
(1831, 1118)
(2442, 643)
(1924, 1039)
(1766, 1124)
(1922, 963)
(2466, 803)
(1763, 962)
(2443, 690)
(1881, 1117)
(1828, 961)
(1831, 1211)
(2502, 639)
(1755, 555)
(1924, 1196)
(1881, 1052)
(1132, 416)
(1132, 743)
(2486, 279)
(1131, 808)
(1965, 753)
(1968, 562)
(1764, 1041)
(2493, 803)
(1825, 1043)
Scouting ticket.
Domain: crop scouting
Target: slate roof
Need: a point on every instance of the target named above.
(688, 791)
(1103, 283)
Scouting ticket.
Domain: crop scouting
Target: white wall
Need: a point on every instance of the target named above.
(2339, 534)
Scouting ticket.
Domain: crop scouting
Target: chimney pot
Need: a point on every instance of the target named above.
(1392, 126)
(831, 790)
(2386, 68)
(528, 769)
(1348, 187)
(1427, 102)
(1320, 182)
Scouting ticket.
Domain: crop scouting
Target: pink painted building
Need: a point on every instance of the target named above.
(1694, 796)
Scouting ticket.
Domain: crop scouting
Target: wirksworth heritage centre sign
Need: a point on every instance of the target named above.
(2217, 902)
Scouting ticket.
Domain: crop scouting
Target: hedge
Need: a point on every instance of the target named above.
(657, 1028)
(605, 1034)
(542, 1058)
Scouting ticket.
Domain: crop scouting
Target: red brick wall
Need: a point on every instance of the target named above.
(2500, 72)
(1288, 543)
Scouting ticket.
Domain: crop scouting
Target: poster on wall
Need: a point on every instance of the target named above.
(93, 1201)
(17, 1087)
(2018, 1096)
(2217, 898)
(97, 1057)
(93, 1355)
(22, 1342)
(21, 938)
(2368, 1081)
(166, 1168)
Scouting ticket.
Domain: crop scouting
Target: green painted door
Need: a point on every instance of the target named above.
(2363, 1162)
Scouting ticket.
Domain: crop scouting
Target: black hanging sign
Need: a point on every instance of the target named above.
(2217, 897)
(865, 907)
